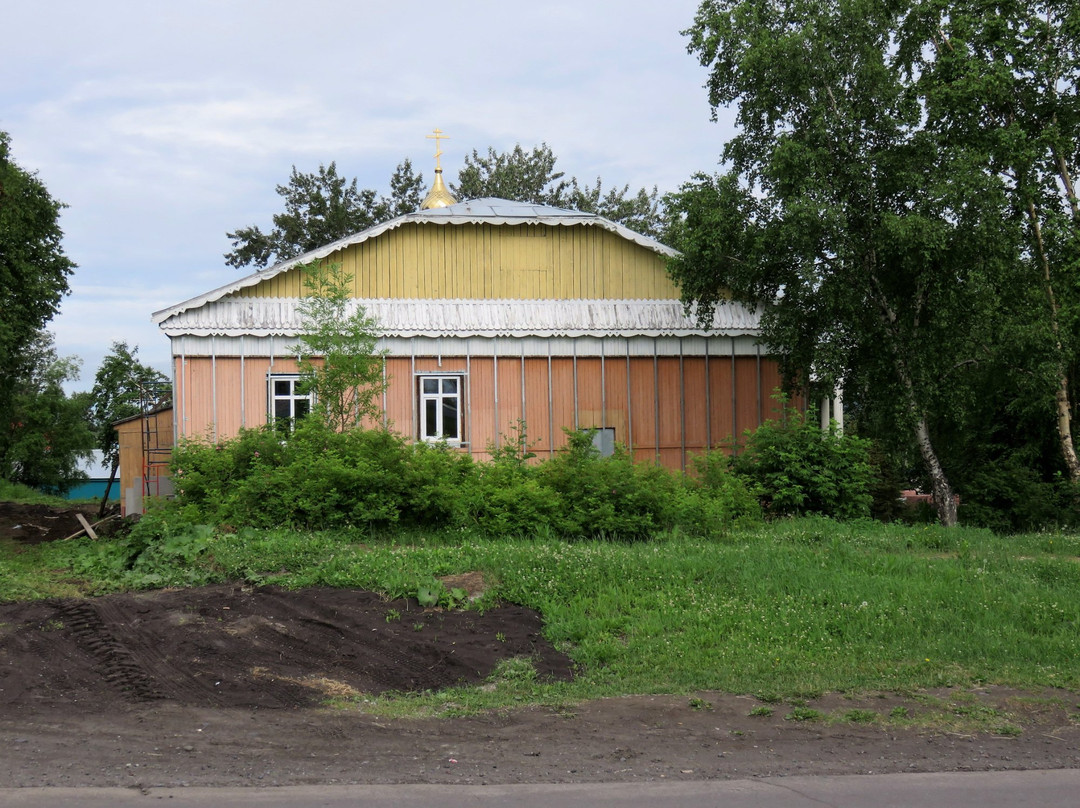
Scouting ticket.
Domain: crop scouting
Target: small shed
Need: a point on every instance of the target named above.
(146, 442)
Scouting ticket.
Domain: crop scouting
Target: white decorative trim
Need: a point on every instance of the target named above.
(259, 317)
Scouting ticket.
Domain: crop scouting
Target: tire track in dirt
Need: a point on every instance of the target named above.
(233, 645)
(121, 669)
(174, 677)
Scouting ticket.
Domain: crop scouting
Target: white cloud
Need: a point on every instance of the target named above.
(164, 127)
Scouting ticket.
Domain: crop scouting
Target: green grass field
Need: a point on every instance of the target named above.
(788, 610)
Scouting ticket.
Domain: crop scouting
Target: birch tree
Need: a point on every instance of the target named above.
(874, 243)
(1003, 77)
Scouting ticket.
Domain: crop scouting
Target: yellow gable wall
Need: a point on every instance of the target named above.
(517, 262)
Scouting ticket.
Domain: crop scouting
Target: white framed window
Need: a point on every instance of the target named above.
(286, 403)
(440, 398)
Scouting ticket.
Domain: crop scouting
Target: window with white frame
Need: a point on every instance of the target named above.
(287, 403)
(440, 400)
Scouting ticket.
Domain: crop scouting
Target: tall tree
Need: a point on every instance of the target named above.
(517, 174)
(320, 208)
(1005, 77)
(875, 244)
(123, 387)
(641, 212)
(33, 273)
(48, 434)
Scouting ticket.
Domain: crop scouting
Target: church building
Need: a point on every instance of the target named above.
(492, 314)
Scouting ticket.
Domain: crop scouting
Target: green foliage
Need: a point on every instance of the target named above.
(33, 277)
(860, 716)
(339, 362)
(122, 385)
(796, 469)
(880, 245)
(433, 592)
(531, 177)
(1009, 496)
(437, 485)
(516, 174)
(1004, 85)
(316, 478)
(804, 714)
(48, 434)
(160, 550)
(320, 208)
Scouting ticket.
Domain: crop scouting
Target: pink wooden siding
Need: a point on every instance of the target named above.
(669, 408)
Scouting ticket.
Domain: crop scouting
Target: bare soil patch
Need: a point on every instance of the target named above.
(33, 524)
(229, 685)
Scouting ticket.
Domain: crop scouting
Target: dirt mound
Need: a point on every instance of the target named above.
(33, 524)
(232, 646)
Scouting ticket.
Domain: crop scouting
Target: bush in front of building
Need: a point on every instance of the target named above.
(315, 478)
(795, 468)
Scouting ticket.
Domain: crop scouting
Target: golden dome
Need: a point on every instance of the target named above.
(439, 196)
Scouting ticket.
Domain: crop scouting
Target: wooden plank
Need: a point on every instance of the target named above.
(86, 525)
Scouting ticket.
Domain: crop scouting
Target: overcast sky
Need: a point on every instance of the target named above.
(164, 126)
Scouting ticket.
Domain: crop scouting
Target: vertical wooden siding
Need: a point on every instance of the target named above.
(677, 407)
(517, 262)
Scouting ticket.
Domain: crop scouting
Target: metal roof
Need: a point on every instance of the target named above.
(490, 210)
(470, 318)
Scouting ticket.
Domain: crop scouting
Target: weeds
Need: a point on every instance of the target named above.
(787, 610)
(860, 716)
(804, 714)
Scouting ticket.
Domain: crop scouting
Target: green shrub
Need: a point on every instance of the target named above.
(610, 496)
(1008, 495)
(317, 479)
(717, 500)
(507, 498)
(435, 477)
(796, 468)
(162, 549)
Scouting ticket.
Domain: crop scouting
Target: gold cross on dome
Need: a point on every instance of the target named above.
(438, 146)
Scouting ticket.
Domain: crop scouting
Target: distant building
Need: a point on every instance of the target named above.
(97, 479)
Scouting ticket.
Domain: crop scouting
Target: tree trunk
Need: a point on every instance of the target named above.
(108, 487)
(943, 493)
(1061, 396)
